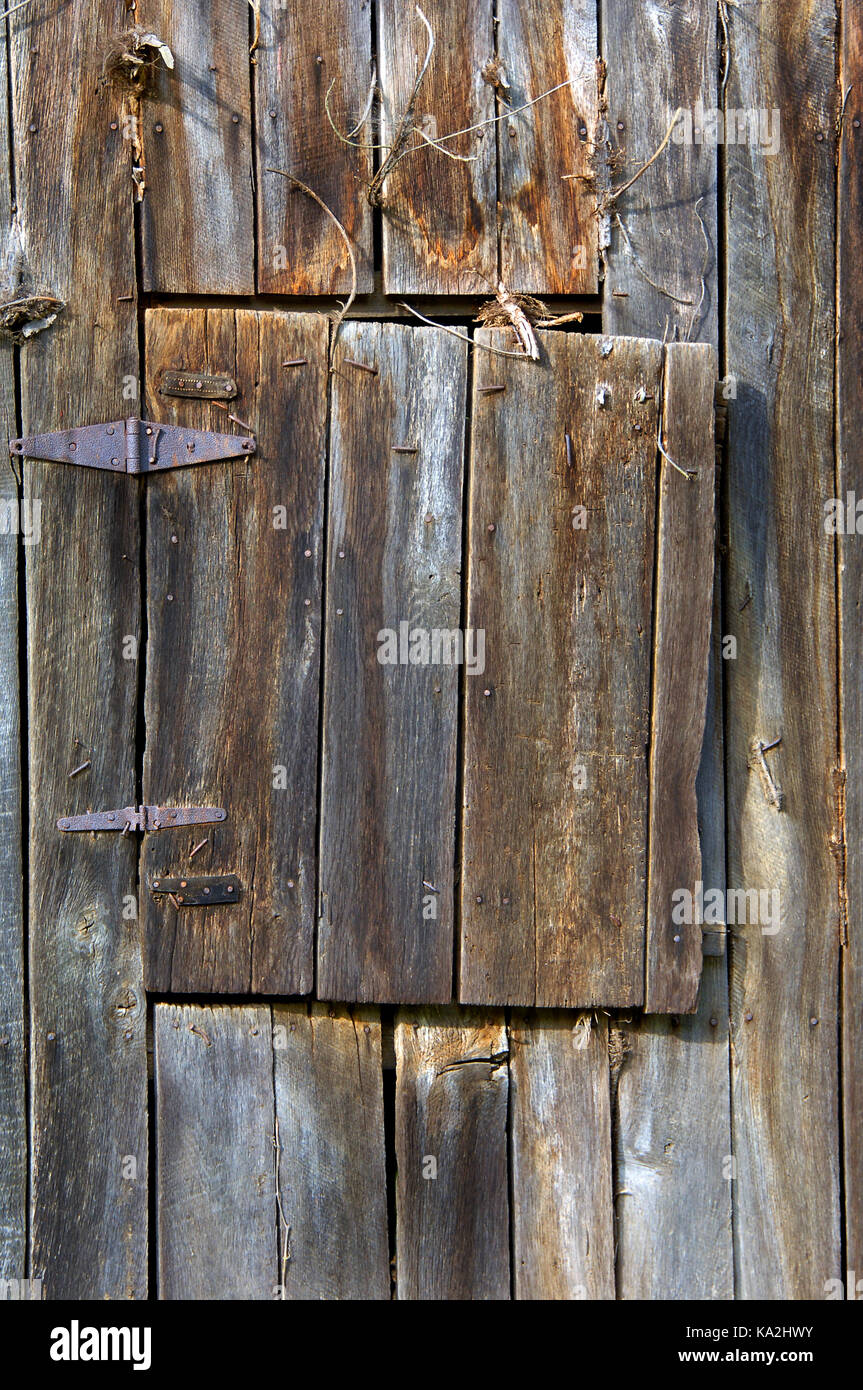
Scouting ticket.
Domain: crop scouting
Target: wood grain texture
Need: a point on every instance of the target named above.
(304, 51)
(850, 477)
(329, 1103)
(13, 1118)
(197, 214)
(88, 1047)
(215, 1135)
(231, 698)
(674, 1164)
(683, 610)
(560, 1122)
(548, 226)
(439, 214)
(560, 578)
(779, 343)
(452, 1230)
(389, 751)
(668, 51)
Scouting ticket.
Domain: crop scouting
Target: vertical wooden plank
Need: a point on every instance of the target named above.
(215, 1135)
(548, 223)
(88, 1047)
(665, 276)
(560, 579)
(682, 618)
(779, 344)
(850, 479)
(329, 1105)
(394, 558)
(231, 700)
(439, 214)
(197, 213)
(674, 1163)
(13, 1120)
(452, 1236)
(563, 1239)
(306, 52)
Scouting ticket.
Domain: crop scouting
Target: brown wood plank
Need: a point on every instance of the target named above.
(674, 1163)
(452, 1236)
(88, 1046)
(215, 1135)
(683, 609)
(13, 523)
(197, 214)
(655, 282)
(548, 226)
(556, 730)
(439, 214)
(389, 755)
(231, 697)
(780, 344)
(304, 51)
(329, 1104)
(850, 475)
(563, 1238)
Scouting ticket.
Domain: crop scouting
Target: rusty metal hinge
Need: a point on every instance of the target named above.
(143, 818)
(198, 892)
(133, 446)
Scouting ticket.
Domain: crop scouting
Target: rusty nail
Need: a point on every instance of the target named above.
(121, 299)
(747, 1017)
(80, 768)
(113, 125)
(813, 1022)
(713, 1021)
(158, 127)
(170, 598)
(363, 366)
(272, 114)
(296, 362)
(479, 898)
(490, 390)
(620, 294)
(198, 846)
(183, 883)
(230, 888)
(491, 528)
(568, 441)
(765, 747)
(235, 119)
(404, 449)
(290, 883)
(486, 691)
(32, 127)
(307, 553)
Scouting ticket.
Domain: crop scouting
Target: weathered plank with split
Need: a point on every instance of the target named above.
(560, 1121)
(674, 1172)
(560, 578)
(215, 1132)
(439, 212)
(332, 1183)
(548, 227)
(662, 263)
(781, 587)
(88, 1047)
(310, 57)
(196, 130)
(13, 1119)
(389, 728)
(452, 1232)
(231, 698)
(683, 608)
(850, 475)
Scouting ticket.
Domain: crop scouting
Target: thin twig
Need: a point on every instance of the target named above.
(13, 8)
(688, 473)
(726, 39)
(445, 328)
(697, 312)
(841, 120)
(678, 299)
(575, 317)
(615, 193)
(310, 193)
(405, 126)
(284, 1228)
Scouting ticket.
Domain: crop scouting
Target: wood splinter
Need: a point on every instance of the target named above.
(772, 790)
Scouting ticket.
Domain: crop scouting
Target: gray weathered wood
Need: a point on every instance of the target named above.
(215, 1136)
(780, 346)
(560, 1123)
(197, 214)
(231, 696)
(674, 1164)
(452, 1236)
(683, 609)
(548, 227)
(13, 1121)
(850, 475)
(660, 57)
(304, 51)
(560, 578)
(88, 1047)
(329, 1104)
(439, 214)
(389, 753)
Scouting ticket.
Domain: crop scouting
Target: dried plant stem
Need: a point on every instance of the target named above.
(465, 337)
(405, 127)
(616, 193)
(310, 193)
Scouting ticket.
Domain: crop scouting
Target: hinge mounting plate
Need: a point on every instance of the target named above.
(198, 892)
(143, 818)
(133, 446)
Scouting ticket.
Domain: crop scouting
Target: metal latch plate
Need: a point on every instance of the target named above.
(177, 381)
(198, 892)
